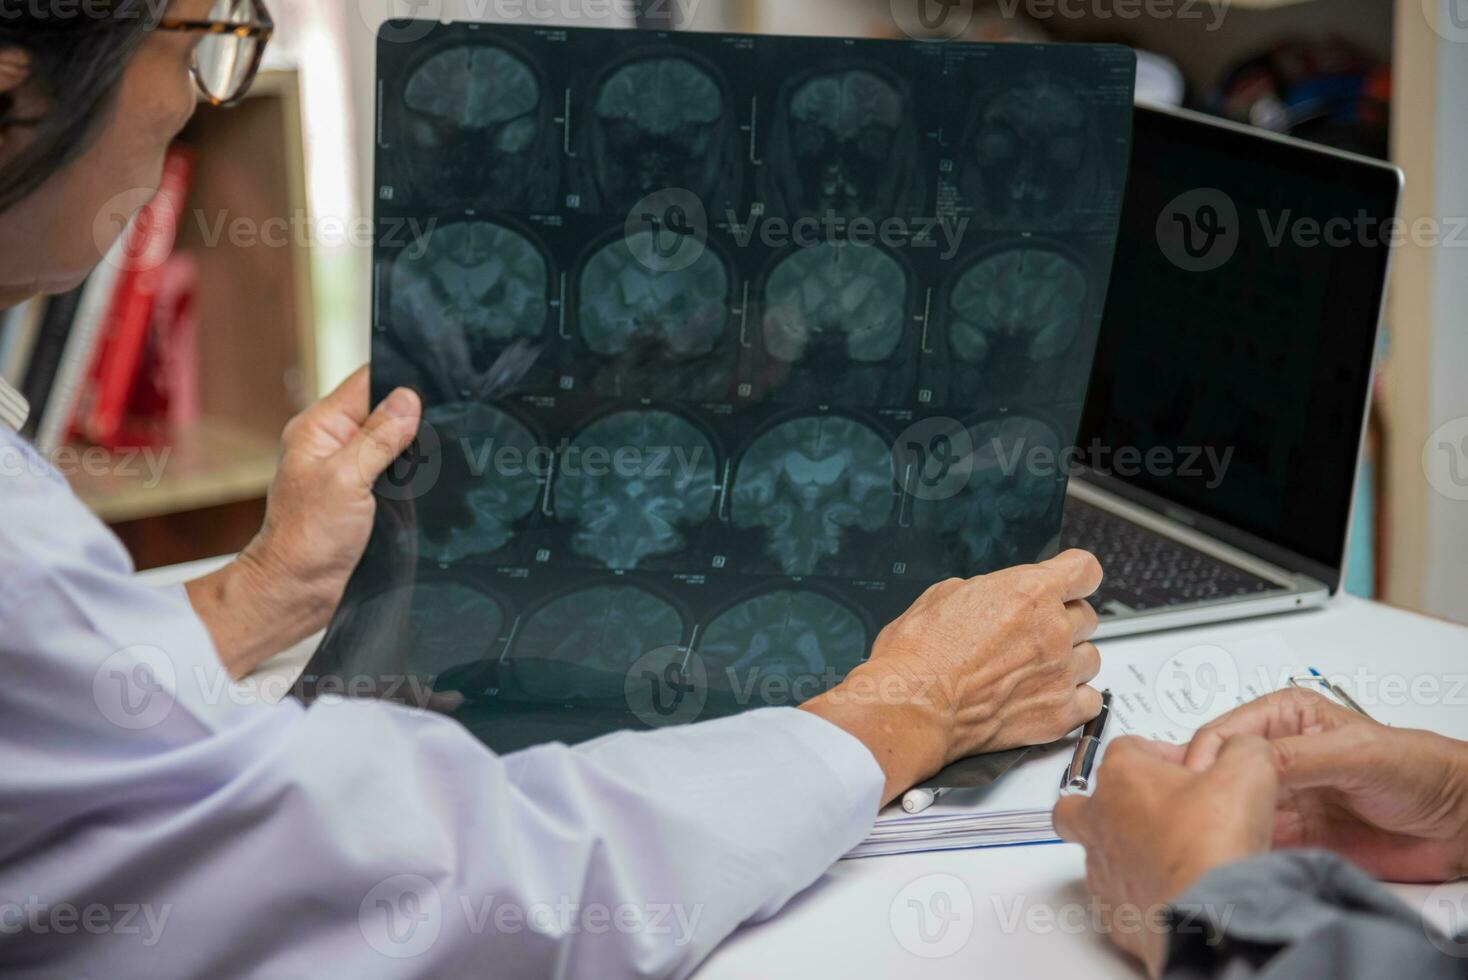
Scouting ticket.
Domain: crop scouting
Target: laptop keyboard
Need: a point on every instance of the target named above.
(1145, 570)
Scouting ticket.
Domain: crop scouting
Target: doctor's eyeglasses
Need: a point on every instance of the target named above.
(228, 56)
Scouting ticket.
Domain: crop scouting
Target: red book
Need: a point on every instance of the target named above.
(150, 241)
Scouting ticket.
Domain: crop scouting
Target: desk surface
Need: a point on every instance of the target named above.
(1021, 911)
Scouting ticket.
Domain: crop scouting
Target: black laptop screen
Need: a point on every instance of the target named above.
(1236, 348)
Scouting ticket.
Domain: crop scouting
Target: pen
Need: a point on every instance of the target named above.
(1077, 775)
(1331, 688)
(918, 800)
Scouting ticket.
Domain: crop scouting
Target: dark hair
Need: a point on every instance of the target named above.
(78, 52)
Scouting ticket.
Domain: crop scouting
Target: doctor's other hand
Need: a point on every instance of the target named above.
(976, 665)
(1155, 826)
(1392, 800)
(288, 581)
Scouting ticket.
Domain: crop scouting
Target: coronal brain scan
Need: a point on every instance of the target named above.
(846, 148)
(461, 294)
(676, 304)
(659, 123)
(450, 625)
(639, 508)
(478, 123)
(1014, 483)
(797, 635)
(810, 481)
(581, 645)
(627, 306)
(1027, 301)
(835, 298)
(472, 506)
(1030, 155)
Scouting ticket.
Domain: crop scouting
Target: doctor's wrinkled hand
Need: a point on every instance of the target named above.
(978, 665)
(288, 581)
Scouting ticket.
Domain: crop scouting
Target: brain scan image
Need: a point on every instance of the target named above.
(626, 513)
(1031, 155)
(581, 646)
(461, 295)
(994, 522)
(478, 126)
(809, 482)
(1025, 304)
(450, 625)
(834, 316)
(471, 507)
(792, 634)
(659, 123)
(844, 146)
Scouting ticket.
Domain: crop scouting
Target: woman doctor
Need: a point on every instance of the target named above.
(154, 825)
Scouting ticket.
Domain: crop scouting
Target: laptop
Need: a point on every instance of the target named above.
(1224, 423)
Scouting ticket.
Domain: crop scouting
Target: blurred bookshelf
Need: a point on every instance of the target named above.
(256, 340)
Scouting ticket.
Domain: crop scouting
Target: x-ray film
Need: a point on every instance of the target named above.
(730, 347)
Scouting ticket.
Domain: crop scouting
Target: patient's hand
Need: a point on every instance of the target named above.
(975, 666)
(1154, 827)
(1394, 801)
(285, 585)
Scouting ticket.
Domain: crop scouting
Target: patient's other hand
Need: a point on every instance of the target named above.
(974, 666)
(1154, 827)
(1394, 801)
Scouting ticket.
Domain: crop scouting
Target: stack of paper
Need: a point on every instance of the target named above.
(1163, 690)
(1015, 810)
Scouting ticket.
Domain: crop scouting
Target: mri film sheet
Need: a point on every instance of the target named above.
(730, 347)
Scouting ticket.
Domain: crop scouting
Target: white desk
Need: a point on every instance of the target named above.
(1029, 913)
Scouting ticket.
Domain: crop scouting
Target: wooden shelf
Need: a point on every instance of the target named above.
(213, 464)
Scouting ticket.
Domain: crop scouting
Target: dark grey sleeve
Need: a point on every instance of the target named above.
(1300, 915)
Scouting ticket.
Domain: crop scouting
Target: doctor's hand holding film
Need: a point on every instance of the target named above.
(978, 665)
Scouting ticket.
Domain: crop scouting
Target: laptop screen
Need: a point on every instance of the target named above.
(1235, 356)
